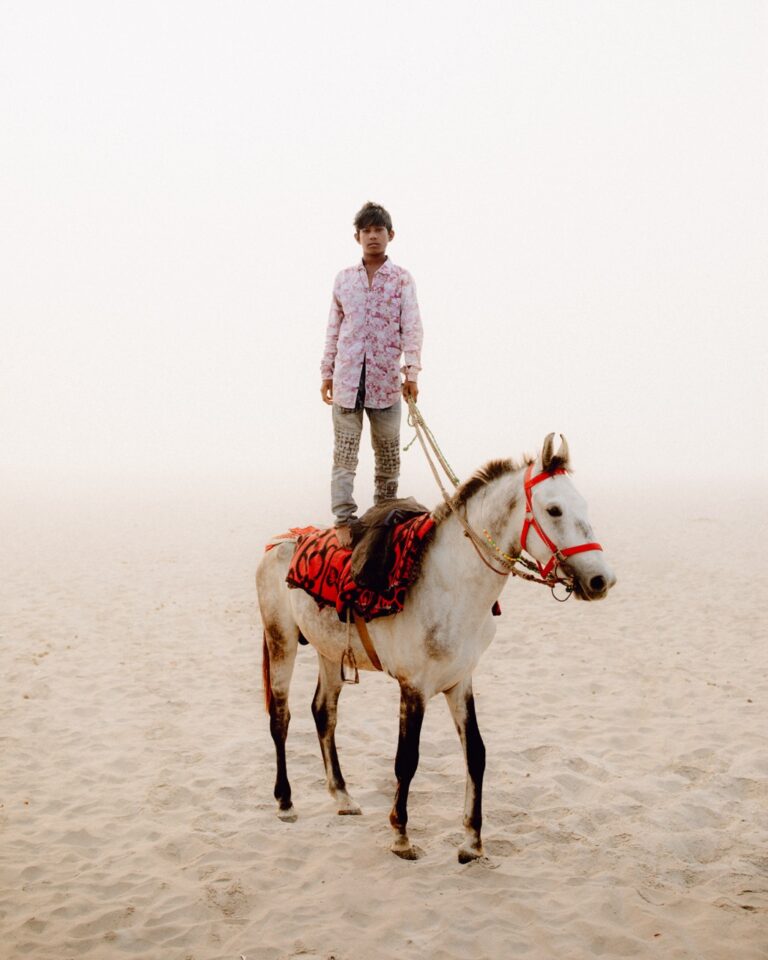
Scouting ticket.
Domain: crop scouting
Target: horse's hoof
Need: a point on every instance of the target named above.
(408, 852)
(350, 809)
(468, 854)
(288, 815)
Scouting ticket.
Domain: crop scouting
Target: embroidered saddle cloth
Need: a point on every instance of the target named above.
(324, 569)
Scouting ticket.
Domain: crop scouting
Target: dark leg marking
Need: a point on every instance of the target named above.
(475, 750)
(324, 712)
(406, 762)
(276, 641)
(279, 718)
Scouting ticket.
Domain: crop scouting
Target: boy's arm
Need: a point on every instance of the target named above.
(335, 316)
(412, 334)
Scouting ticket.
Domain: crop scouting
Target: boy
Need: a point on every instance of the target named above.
(374, 319)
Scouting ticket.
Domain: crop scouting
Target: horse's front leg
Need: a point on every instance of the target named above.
(406, 762)
(461, 702)
(324, 709)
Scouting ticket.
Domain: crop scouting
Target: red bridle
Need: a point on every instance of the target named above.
(558, 556)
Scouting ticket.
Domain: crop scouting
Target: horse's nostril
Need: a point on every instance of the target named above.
(597, 584)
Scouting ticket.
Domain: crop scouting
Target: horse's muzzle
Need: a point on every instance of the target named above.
(592, 587)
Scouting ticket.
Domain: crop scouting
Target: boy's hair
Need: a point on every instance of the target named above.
(372, 215)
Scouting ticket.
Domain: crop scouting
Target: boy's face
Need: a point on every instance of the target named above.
(374, 240)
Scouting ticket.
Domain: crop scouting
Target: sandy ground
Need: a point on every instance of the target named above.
(626, 810)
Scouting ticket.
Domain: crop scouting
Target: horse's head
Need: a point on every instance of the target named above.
(557, 532)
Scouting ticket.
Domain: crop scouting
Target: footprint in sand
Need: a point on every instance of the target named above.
(227, 895)
(500, 847)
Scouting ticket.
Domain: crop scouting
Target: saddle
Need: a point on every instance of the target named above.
(374, 553)
(372, 579)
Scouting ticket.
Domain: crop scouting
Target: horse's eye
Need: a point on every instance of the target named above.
(554, 511)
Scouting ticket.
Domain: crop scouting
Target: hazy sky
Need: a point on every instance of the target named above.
(579, 189)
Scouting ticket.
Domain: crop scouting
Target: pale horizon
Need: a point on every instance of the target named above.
(579, 192)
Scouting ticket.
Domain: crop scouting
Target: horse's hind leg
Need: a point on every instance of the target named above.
(280, 646)
(281, 639)
(324, 710)
(406, 762)
(461, 702)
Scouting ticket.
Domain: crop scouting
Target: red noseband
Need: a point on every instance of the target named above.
(558, 556)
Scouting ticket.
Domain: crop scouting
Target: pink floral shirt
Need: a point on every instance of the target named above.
(377, 325)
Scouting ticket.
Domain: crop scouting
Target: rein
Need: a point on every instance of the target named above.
(416, 421)
(548, 572)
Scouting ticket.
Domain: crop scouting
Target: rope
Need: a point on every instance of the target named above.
(416, 420)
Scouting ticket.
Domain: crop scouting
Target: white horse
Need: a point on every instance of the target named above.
(433, 645)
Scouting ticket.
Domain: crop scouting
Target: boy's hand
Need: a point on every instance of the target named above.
(326, 391)
(410, 390)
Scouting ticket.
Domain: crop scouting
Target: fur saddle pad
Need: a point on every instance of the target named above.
(324, 569)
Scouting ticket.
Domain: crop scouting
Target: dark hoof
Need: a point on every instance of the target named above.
(469, 854)
(407, 853)
(288, 815)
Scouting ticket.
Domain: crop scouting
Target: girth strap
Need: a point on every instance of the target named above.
(365, 639)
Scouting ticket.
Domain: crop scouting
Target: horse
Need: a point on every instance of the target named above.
(435, 642)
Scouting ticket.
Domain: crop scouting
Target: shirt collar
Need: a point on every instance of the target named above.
(386, 267)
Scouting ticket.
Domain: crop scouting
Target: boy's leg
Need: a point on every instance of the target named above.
(385, 438)
(347, 427)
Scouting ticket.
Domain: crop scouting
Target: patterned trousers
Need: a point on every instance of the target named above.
(385, 439)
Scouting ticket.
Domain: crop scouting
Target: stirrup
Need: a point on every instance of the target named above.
(348, 657)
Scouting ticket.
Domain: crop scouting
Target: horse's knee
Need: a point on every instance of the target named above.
(411, 717)
(279, 718)
(320, 713)
(324, 709)
(476, 760)
(474, 742)
(406, 764)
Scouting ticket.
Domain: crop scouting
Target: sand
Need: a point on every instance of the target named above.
(626, 795)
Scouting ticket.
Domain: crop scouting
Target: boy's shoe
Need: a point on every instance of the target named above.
(344, 536)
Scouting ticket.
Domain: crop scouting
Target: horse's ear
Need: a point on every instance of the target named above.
(547, 451)
(562, 454)
(551, 460)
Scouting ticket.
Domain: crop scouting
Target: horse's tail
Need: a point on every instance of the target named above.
(265, 674)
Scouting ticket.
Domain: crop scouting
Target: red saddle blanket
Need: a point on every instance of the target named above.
(323, 568)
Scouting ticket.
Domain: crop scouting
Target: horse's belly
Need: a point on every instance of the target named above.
(321, 627)
(327, 634)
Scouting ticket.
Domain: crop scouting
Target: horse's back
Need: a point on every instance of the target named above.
(276, 557)
(270, 576)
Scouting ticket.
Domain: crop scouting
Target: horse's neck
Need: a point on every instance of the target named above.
(499, 509)
(489, 510)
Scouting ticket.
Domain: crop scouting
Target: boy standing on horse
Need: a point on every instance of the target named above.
(374, 320)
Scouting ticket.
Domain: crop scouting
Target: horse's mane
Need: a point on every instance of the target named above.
(372, 554)
(479, 479)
